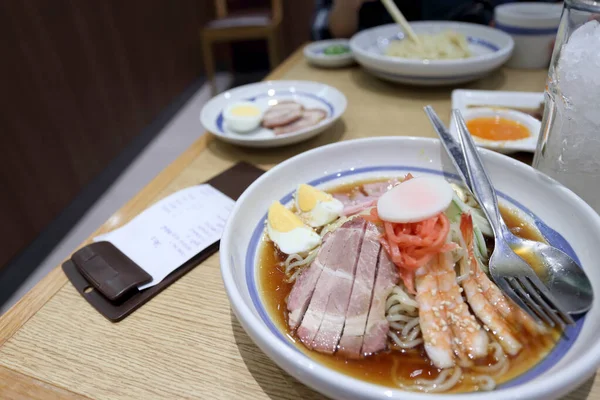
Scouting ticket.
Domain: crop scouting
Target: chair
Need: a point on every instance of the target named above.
(242, 26)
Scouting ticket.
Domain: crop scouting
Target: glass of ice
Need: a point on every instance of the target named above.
(569, 146)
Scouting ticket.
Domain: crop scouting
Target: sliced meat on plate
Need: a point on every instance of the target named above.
(282, 113)
(310, 117)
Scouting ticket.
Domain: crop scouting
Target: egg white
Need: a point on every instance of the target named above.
(323, 213)
(298, 240)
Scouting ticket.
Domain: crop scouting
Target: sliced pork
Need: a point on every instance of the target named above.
(378, 188)
(360, 299)
(282, 113)
(309, 118)
(334, 318)
(305, 284)
(338, 303)
(377, 325)
(356, 203)
(342, 256)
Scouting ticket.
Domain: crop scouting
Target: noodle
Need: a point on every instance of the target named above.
(501, 365)
(439, 46)
(294, 264)
(402, 312)
(445, 381)
(486, 383)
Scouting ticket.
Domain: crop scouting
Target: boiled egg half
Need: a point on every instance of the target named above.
(242, 116)
(315, 207)
(288, 232)
(415, 200)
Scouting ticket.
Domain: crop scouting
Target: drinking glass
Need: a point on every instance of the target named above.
(568, 149)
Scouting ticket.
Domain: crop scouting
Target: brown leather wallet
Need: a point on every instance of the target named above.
(108, 279)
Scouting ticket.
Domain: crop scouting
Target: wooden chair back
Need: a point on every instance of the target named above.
(276, 10)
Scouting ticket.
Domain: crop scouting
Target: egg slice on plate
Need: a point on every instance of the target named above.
(315, 207)
(288, 232)
(242, 116)
(415, 200)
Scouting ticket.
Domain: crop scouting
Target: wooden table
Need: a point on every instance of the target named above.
(186, 343)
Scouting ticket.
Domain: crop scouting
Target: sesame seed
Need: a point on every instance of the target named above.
(436, 313)
(461, 290)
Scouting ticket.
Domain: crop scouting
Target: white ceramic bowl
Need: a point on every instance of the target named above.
(504, 146)
(568, 223)
(490, 48)
(533, 27)
(263, 94)
(315, 55)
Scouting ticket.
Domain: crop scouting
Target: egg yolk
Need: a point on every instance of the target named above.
(497, 128)
(281, 219)
(245, 111)
(308, 196)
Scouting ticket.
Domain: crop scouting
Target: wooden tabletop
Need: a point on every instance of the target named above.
(186, 343)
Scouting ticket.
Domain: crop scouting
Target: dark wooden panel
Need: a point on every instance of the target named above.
(81, 78)
(296, 24)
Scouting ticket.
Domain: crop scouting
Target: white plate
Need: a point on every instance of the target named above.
(309, 94)
(490, 48)
(463, 99)
(566, 220)
(314, 54)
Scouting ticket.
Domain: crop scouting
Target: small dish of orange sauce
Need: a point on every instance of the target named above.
(496, 128)
(503, 130)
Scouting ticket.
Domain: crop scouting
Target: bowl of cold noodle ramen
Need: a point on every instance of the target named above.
(360, 268)
(447, 52)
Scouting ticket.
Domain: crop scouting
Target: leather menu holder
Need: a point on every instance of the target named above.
(108, 279)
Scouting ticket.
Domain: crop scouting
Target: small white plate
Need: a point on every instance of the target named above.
(505, 103)
(503, 146)
(309, 94)
(315, 55)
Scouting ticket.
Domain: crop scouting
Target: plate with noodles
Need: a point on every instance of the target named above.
(360, 268)
(448, 52)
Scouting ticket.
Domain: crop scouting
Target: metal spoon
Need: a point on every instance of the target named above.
(565, 279)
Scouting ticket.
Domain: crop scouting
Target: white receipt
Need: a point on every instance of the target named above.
(170, 232)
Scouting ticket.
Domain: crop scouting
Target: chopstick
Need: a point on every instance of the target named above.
(400, 20)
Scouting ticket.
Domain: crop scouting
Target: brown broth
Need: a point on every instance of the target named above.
(411, 364)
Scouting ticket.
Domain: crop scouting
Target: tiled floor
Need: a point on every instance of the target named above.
(175, 137)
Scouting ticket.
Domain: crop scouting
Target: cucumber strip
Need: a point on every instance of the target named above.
(480, 222)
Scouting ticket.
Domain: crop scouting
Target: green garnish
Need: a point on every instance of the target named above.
(336, 49)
